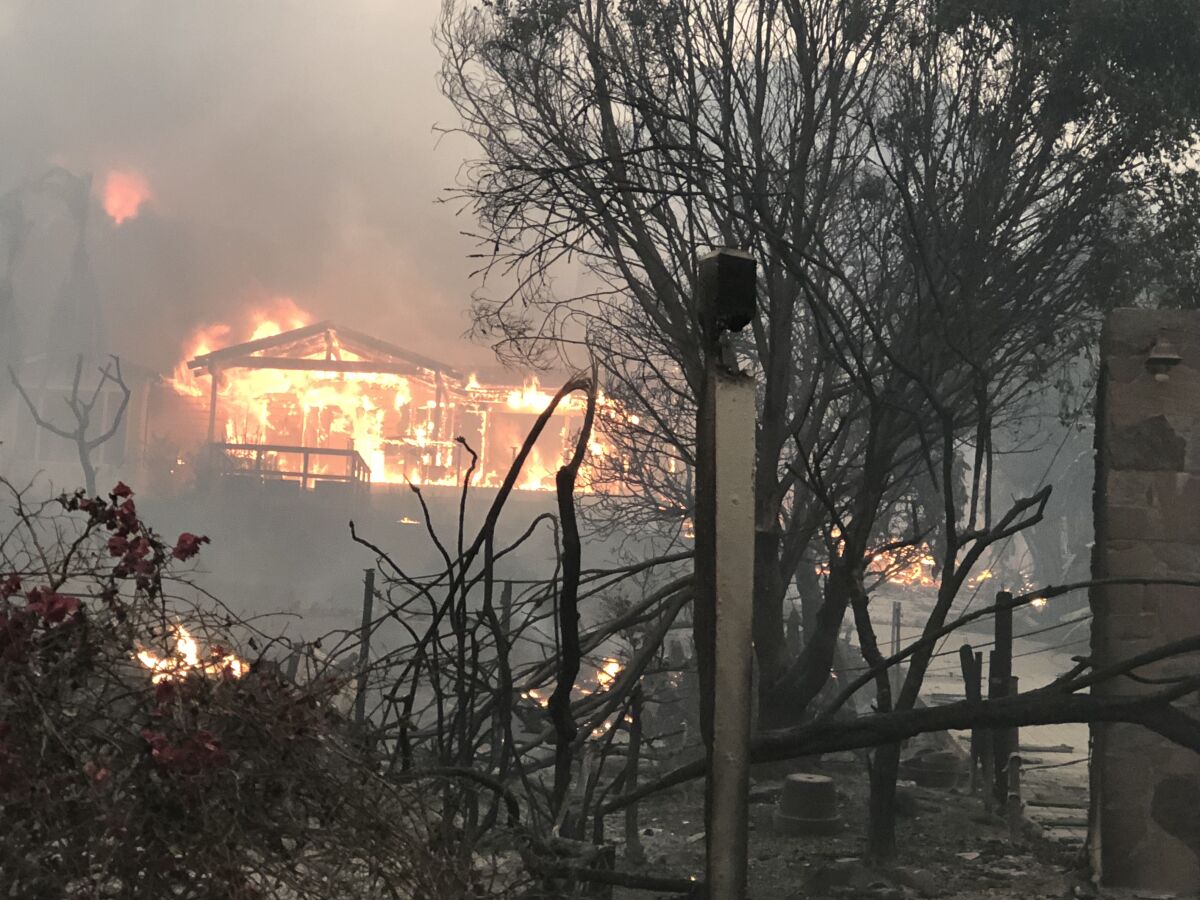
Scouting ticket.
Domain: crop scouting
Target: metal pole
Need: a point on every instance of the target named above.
(364, 647)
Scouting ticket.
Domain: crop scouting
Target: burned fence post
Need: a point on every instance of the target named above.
(1014, 806)
(972, 671)
(292, 668)
(894, 673)
(364, 647)
(724, 564)
(987, 750)
(1004, 743)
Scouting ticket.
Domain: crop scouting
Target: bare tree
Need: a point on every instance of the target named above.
(82, 407)
(455, 697)
(925, 186)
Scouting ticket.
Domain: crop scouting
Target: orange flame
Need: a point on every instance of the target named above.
(124, 193)
(400, 426)
(185, 660)
(530, 398)
(907, 570)
(607, 673)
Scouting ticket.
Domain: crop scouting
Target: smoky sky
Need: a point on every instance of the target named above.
(289, 148)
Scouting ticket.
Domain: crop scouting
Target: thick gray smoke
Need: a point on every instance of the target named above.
(288, 148)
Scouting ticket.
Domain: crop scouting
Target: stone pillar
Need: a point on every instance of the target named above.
(1145, 831)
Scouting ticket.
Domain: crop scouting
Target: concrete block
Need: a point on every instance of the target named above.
(1179, 606)
(1135, 523)
(1175, 559)
(1117, 599)
(1135, 627)
(1144, 442)
(1130, 559)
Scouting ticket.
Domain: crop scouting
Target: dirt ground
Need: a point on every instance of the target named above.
(949, 847)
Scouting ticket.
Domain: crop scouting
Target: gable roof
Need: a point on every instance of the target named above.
(294, 350)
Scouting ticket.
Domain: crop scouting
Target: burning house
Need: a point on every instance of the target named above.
(321, 405)
(316, 406)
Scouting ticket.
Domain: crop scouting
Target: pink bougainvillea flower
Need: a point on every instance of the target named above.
(51, 606)
(10, 585)
(188, 545)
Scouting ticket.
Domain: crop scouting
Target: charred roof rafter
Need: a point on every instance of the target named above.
(294, 350)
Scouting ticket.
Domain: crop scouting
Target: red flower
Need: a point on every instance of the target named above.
(197, 752)
(98, 774)
(50, 606)
(164, 693)
(122, 490)
(188, 545)
(9, 586)
(118, 545)
(160, 747)
(127, 516)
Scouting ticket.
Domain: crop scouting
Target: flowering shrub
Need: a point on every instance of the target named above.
(213, 780)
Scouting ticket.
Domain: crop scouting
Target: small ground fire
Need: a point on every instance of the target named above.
(185, 660)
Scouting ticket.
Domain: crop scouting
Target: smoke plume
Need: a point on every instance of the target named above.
(252, 151)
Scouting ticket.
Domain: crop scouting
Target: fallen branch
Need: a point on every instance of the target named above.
(1152, 710)
(1021, 600)
(686, 887)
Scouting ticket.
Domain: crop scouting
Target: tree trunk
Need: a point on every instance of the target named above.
(808, 585)
(885, 761)
(85, 463)
(881, 828)
(769, 588)
(634, 853)
(786, 701)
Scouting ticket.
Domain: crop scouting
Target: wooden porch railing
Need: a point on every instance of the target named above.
(355, 470)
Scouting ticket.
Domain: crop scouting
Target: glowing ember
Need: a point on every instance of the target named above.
(124, 194)
(608, 673)
(1038, 602)
(534, 695)
(185, 661)
(906, 570)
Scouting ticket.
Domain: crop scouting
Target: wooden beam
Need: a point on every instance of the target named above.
(350, 337)
(213, 399)
(267, 343)
(317, 365)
